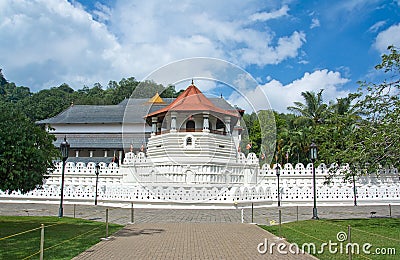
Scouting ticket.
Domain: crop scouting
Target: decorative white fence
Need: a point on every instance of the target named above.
(296, 187)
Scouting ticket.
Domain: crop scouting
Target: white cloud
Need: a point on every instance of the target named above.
(390, 36)
(51, 42)
(281, 96)
(315, 23)
(46, 43)
(376, 26)
(102, 12)
(265, 16)
(287, 47)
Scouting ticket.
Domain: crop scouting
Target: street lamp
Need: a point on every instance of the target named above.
(354, 189)
(313, 155)
(97, 180)
(278, 173)
(64, 148)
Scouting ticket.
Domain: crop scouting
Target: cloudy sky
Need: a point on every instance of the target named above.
(286, 46)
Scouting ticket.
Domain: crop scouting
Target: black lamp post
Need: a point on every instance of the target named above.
(354, 189)
(64, 148)
(313, 155)
(97, 181)
(278, 173)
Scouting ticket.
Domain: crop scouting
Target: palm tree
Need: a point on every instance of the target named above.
(313, 111)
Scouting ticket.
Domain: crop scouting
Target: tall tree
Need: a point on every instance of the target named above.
(374, 143)
(313, 110)
(26, 151)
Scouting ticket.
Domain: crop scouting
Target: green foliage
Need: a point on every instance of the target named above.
(313, 111)
(374, 143)
(26, 151)
(46, 103)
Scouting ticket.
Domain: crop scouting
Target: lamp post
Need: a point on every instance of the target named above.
(64, 148)
(313, 155)
(278, 173)
(354, 189)
(97, 181)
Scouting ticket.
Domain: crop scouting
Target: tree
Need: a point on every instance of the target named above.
(374, 143)
(46, 103)
(313, 110)
(26, 151)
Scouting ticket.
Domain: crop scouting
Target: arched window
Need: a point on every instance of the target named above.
(190, 126)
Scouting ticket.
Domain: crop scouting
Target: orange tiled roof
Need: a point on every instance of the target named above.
(192, 99)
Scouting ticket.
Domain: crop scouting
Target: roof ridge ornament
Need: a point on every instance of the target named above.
(192, 82)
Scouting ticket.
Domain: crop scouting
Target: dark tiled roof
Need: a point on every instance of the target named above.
(129, 110)
(222, 103)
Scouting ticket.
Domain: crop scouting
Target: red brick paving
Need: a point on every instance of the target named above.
(186, 241)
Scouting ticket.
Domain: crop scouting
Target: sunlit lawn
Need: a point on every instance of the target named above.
(64, 237)
(381, 233)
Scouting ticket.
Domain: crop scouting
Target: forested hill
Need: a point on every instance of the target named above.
(50, 102)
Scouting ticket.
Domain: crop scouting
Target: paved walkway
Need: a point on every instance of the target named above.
(142, 215)
(187, 241)
(191, 233)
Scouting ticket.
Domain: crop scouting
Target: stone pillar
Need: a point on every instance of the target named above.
(105, 153)
(90, 153)
(119, 157)
(159, 127)
(173, 122)
(228, 124)
(206, 123)
(76, 153)
(154, 125)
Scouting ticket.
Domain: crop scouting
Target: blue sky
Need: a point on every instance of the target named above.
(287, 46)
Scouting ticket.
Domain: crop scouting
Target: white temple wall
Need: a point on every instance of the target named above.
(215, 184)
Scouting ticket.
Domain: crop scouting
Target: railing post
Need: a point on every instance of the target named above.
(252, 213)
(41, 241)
(349, 241)
(280, 223)
(132, 212)
(106, 223)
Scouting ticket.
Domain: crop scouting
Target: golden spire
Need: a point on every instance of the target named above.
(156, 99)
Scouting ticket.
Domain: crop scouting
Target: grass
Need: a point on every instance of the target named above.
(64, 237)
(383, 233)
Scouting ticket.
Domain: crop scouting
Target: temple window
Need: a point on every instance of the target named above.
(188, 141)
(220, 126)
(190, 126)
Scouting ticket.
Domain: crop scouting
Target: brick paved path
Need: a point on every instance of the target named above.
(187, 241)
(142, 215)
(190, 233)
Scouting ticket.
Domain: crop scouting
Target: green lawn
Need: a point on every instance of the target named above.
(381, 233)
(64, 237)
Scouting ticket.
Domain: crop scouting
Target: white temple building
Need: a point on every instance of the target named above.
(184, 151)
